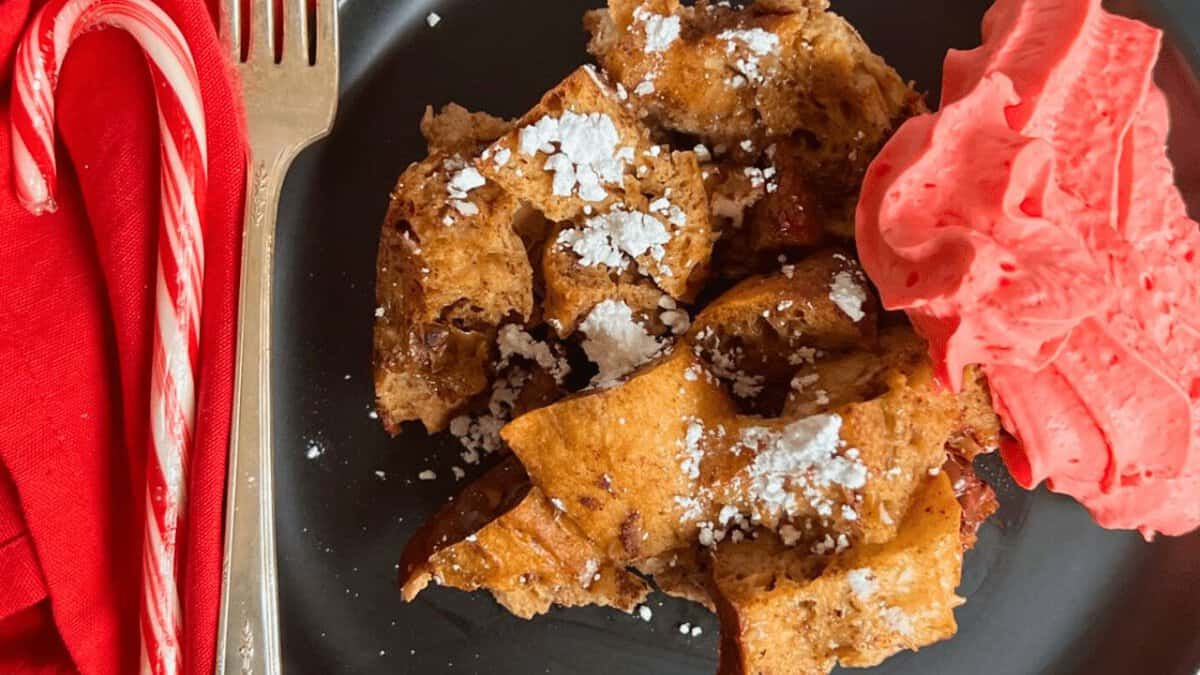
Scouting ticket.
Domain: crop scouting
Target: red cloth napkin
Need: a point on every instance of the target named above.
(76, 302)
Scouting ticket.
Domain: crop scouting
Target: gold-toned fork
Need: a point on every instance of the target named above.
(290, 88)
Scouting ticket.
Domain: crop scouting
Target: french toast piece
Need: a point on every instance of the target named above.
(779, 616)
(641, 480)
(502, 535)
(602, 138)
(769, 72)
(894, 439)
(766, 71)
(685, 572)
(574, 284)
(979, 418)
(450, 269)
(784, 207)
(454, 130)
(632, 215)
(890, 398)
(869, 373)
(613, 456)
(755, 334)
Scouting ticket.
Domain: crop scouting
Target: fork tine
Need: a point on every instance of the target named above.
(327, 33)
(231, 28)
(261, 36)
(295, 31)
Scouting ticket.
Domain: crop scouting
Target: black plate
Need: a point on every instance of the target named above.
(1048, 591)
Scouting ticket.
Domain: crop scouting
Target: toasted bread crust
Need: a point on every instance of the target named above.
(454, 130)
(812, 82)
(504, 536)
(781, 614)
(819, 76)
(445, 280)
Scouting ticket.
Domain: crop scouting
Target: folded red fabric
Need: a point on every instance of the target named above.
(76, 303)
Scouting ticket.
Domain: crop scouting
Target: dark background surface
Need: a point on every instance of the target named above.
(1049, 592)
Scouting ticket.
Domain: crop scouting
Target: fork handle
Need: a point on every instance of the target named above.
(248, 634)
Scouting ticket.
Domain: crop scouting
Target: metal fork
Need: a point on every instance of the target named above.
(289, 104)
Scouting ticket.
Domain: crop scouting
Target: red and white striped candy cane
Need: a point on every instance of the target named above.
(180, 269)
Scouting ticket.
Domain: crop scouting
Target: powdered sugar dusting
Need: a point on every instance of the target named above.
(862, 582)
(848, 295)
(463, 179)
(661, 30)
(613, 238)
(692, 452)
(725, 365)
(589, 573)
(801, 458)
(482, 433)
(757, 40)
(582, 149)
(514, 341)
(756, 43)
(616, 342)
(897, 620)
(690, 508)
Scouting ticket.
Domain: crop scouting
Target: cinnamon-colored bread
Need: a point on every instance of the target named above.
(783, 614)
(450, 270)
(502, 535)
(758, 75)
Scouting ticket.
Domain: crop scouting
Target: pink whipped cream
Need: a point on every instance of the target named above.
(1033, 227)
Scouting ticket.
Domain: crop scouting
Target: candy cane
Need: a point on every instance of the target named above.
(180, 268)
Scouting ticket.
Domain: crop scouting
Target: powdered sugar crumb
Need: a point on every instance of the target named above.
(897, 620)
(482, 433)
(802, 457)
(582, 151)
(789, 535)
(661, 30)
(463, 179)
(613, 238)
(693, 454)
(757, 43)
(616, 342)
(848, 295)
(862, 582)
(677, 320)
(514, 341)
(589, 573)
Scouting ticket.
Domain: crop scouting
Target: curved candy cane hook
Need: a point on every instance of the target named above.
(180, 271)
